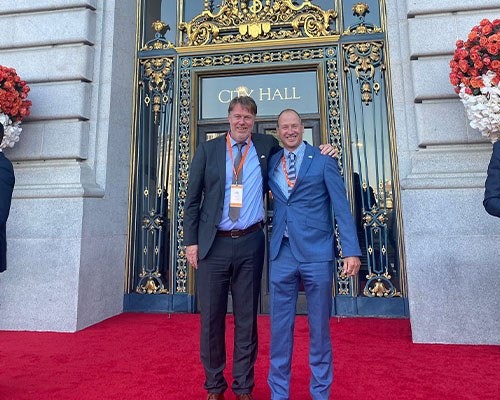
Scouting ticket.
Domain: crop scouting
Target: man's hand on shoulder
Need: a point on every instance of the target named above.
(328, 150)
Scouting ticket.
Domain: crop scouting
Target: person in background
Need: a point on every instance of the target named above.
(7, 181)
(306, 186)
(223, 220)
(492, 185)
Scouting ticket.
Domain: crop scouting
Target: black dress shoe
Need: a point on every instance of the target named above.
(244, 396)
(215, 396)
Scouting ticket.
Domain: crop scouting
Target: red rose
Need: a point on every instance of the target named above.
(454, 79)
(463, 65)
(477, 82)
(473, 72)
(495, 38)
(492, 49)
(463, 53)
(474, 56)
(487, 29)
(478, 64)
(473, 35)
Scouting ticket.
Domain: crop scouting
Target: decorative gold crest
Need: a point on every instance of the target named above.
(363, 58)
(243, 21)
(158, 77)
(360, 9)
(159, 42)
(362, 27)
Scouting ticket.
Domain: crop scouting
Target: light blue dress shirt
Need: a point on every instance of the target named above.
(252, 210)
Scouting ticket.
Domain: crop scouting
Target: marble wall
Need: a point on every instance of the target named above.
(451, 243)
(68, 223)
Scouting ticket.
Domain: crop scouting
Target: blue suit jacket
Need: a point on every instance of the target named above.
(492, 186)
(6, 187)
(308, 210)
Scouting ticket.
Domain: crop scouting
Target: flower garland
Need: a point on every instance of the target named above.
(13, 105)
(475, 73)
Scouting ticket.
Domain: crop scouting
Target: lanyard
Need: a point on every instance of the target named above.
(230, 148)
(288, 181)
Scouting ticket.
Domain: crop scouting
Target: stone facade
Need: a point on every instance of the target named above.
(68, 224)
(451, 243)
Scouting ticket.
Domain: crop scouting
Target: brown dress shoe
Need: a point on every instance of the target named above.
(215, 396)
(244, 396)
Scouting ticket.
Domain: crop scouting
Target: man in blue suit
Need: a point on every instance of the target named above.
(6, 188)
(309, 194)
(492, 185)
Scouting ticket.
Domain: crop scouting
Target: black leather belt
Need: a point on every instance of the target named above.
(236, 233)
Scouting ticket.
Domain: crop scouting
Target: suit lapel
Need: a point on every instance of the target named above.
(276, 159)
(304, 166)
(220, 151)
(261, 153)
(307, 161)
(274, 163)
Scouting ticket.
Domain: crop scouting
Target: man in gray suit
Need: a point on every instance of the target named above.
(6, 187)
(228, 250)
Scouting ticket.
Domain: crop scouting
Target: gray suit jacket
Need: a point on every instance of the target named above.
(205, 193)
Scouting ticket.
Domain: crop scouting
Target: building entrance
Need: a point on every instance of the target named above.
(332, 70)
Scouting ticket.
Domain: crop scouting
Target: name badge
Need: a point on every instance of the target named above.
(236, 199)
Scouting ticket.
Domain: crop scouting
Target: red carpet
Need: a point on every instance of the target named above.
(155, 356)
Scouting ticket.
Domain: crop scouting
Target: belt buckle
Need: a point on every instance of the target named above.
(234, 233)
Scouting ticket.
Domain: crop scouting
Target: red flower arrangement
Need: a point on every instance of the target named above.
(13, 105)
(475, 57)
(475, 73)
(13, 93)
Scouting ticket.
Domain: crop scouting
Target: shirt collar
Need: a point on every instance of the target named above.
(297, 151)
(233, 142)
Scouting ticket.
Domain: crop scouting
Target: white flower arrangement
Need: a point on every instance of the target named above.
(483, 110)
(11, 131)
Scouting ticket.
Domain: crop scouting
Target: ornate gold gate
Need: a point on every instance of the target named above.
(249, 45)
